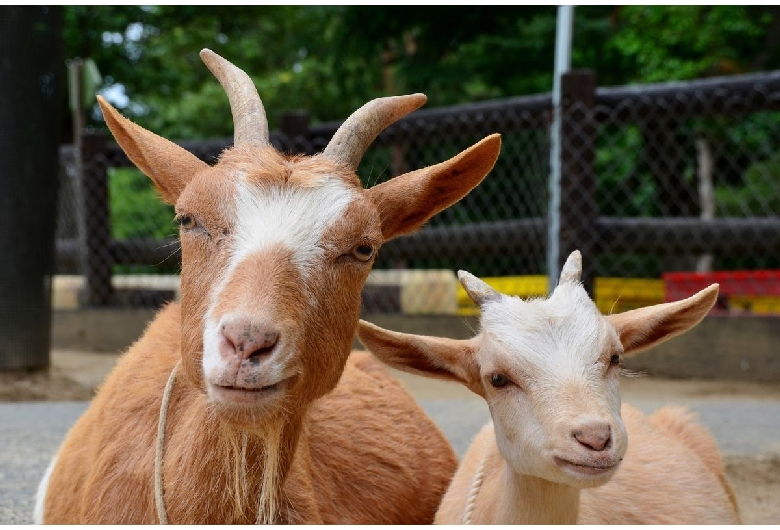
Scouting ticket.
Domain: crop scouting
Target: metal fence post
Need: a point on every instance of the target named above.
(294, 125)
(578, 211)
(97, 257)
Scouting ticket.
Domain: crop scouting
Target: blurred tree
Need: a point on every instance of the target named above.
(149, 59)
(666, 43)
(331, 59)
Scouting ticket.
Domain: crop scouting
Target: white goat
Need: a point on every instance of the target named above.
(549, 370)
(242, 403)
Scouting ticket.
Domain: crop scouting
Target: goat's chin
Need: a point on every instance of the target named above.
(242, 404)
(586, 473)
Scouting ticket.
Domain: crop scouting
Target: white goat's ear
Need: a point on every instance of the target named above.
(439, 357)
(169, 165)
(572, 269)
(407, 201)
(479, 291)
(643, 328)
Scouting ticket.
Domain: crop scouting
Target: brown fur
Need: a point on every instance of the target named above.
(337, 440)
(683, 490)
(364, 472)
(681, 424)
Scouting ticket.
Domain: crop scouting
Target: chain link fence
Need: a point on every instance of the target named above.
(664, 188)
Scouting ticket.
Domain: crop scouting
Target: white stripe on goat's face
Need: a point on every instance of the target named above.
(559, 415)
(250, 347)
(295, 218)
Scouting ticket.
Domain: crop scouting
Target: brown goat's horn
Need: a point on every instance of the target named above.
(355, 135)
(249, 121)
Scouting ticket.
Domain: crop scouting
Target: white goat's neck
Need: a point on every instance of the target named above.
(527, 499)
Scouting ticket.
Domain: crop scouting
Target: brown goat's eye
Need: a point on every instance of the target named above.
(614, 360)
(363, 252)
(499, 380)
(186, 221)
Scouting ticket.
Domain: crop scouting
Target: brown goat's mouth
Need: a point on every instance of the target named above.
(591, 469)
(248, 395)
(249, 389)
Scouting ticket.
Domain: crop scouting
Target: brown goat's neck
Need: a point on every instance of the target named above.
(209, 450)
(532, 500)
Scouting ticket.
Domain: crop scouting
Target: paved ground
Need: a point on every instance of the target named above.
(743, 417)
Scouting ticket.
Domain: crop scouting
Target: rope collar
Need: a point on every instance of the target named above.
(159, 453)
(474, 491)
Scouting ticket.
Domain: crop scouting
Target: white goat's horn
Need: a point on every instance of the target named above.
(477, 290)
(572, 269)
(355, 135)
(249, 121)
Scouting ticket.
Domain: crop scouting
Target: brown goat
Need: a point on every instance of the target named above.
(271, 418)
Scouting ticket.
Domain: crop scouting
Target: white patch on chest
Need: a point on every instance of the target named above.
(40, 496)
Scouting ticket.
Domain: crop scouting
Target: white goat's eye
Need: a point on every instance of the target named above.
(186, 221)
(499, 380)
(614, 360)
(363, 252)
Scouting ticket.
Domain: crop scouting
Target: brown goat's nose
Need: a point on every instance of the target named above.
(247, 340)
(595, 436)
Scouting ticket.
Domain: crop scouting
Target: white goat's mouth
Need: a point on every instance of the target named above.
(590, 469)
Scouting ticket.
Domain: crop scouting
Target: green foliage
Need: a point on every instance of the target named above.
(138, 212)
(331, 59)
(760, 191)
(136, 209)
(665, 43)
(621, 191)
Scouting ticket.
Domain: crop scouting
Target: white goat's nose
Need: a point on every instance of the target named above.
(595, 436)
(247, 339)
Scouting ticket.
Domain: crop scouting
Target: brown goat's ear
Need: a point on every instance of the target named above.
(168, 165)
(643, 328)
(438, 357)
(407, 201)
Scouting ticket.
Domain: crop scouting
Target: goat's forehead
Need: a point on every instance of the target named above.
(269, 201)
(297, 216)
(249, 180)
(565, 328)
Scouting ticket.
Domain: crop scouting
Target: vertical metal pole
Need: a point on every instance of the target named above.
(562, 65)
(76, 95)
(706, 192)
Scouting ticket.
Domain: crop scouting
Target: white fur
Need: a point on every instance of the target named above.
(553, 350)
(561, 335)
(294, 217)
(213, 363)
(40, 496)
